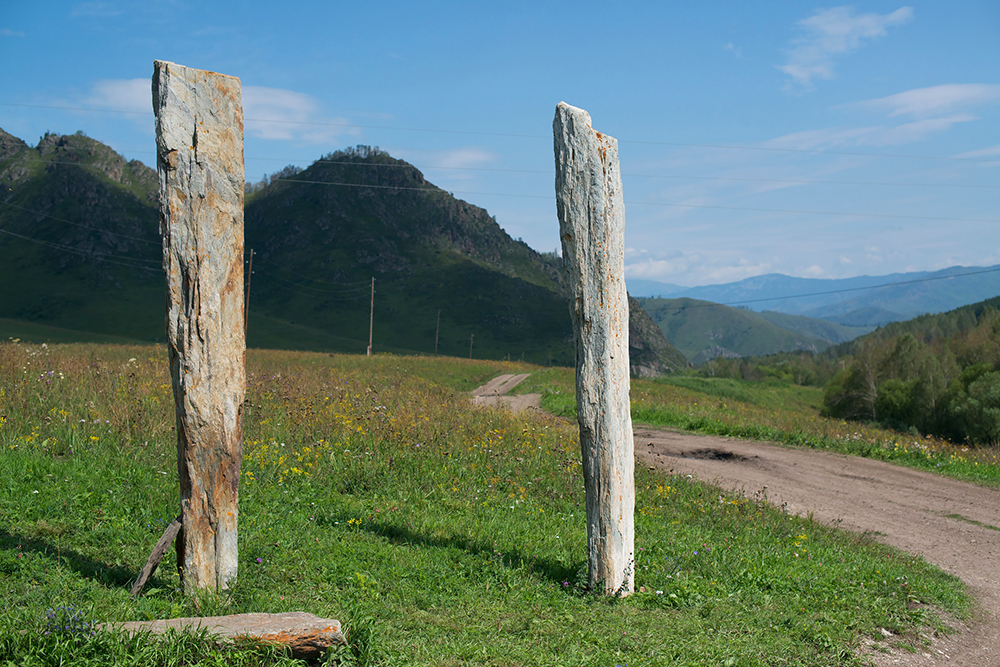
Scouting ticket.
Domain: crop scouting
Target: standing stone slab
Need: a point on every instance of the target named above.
(592, 227)
(199, 149)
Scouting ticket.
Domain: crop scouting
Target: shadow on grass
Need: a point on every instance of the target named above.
(112, 576)
(558, 572)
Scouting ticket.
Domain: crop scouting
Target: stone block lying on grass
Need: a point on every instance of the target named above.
(306, 634)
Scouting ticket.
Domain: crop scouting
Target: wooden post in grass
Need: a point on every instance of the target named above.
(592, 227)
(199, 150)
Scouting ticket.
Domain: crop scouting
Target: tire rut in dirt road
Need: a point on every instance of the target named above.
(493, 393)
(954, 525)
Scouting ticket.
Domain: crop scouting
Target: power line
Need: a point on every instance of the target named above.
(628, 202)
(77, 251)
(79, 224)
(353, 292)
(641, 203)
(838, 291)
(355, 284)
(549, 172)
(529, 136)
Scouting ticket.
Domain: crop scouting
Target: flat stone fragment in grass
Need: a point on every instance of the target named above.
(307, 635)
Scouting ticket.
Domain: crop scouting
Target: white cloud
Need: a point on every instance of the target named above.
(934, 109)
(461, 158)
(934, 100)
(98, 9)
(7, 32)
(451, 161)
(833, 32)
(737, 51)
(743, 269)
(845, 260)
(813, 271)
(873, 254)
(875, 135)
(982, 152)
(654, 269)
(122, 94)
(269, 113)
(915, 131)
(286, 115)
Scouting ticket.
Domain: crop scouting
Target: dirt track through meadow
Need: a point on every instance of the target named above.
(915, 511)
(954, 525)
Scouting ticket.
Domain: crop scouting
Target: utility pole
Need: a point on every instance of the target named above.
(371, 319)
(437, 333)
(471, 338)
(246, 303)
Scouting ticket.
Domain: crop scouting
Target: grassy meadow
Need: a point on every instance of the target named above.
(437, 532)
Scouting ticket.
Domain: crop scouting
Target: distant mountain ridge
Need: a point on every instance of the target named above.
(859, 301)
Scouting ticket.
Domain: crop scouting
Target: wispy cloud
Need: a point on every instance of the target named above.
(833, 32)
(874, 135)
(934, 110)
(982, 152)
(269, 113)
(736, 51)
(7, 32)
(98, 9)
(933, 101)
(742, 269)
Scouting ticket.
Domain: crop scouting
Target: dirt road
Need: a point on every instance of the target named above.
(955, 525)
(493, 393)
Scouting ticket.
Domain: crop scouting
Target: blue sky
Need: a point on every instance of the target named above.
(816, 140)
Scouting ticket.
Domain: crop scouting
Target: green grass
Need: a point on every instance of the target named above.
(438, 533)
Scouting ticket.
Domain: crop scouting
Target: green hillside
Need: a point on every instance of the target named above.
(825, 330)
(80, 248)
(702, 330)
(952, 325)
(80, 252)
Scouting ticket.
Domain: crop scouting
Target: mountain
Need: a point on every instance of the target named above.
(863, 301)
(79, 247)
(829, 332)
(650, 353)
(702, 330)
(80, 259)
(639, 287)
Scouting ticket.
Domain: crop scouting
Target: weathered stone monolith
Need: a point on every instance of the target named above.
(199, 150)
(592, 227)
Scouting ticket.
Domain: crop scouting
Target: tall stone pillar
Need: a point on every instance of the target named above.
(199, 150)
(592, 226)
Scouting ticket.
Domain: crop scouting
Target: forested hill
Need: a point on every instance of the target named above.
(954, 325)
(938, 374)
